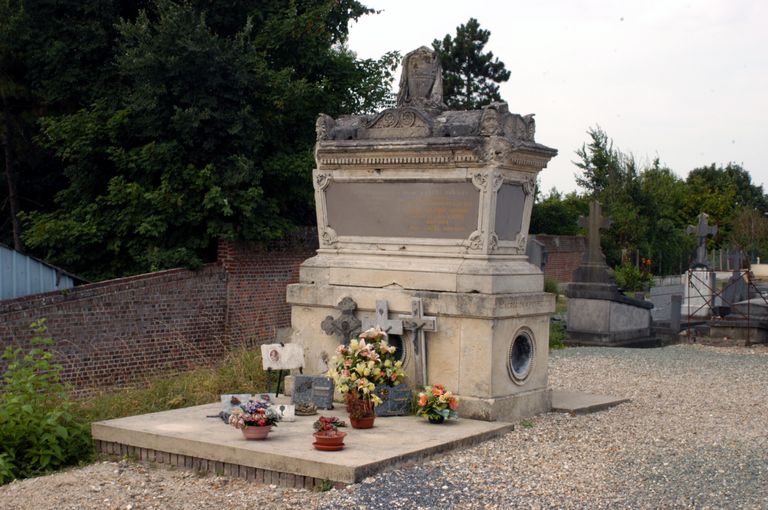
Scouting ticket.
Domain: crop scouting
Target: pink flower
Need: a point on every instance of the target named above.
(422, 399)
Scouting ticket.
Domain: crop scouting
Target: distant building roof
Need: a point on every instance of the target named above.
(24, 275)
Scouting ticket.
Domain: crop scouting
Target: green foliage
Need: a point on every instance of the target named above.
(558, 215)
(630, 278)
(240, 372)
(527, 424)
(181, 123)
(39, 428)
(551, 286)
(556, 334)
(470, 77)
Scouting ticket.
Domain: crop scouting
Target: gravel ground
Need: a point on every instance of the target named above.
(695, 435)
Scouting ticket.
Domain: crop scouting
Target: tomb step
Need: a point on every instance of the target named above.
(576, 402)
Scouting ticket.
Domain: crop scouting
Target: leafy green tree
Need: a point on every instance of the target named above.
(470, 77)
(556, 214)
(207, 133)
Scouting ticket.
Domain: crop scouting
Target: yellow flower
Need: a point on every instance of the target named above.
(388, 363)
(398, 364)
(367, 372)
(353, 344)
(371, 364)
(343, 388)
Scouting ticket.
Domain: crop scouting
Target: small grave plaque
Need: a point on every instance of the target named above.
(282, 356)
(316, 389)
(396, 400)
(510, 202)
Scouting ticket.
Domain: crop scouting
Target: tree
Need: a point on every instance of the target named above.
(206, 135)
(470, 77)
(556, 214)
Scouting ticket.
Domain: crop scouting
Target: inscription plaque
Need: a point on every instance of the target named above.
(436, 210)
(509, 211)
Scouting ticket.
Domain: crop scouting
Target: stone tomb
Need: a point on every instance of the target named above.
(421, 203)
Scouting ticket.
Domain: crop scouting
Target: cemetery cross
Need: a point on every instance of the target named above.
(593, 224)
(702, 230)
(382, 320)
(346, 325)
(419, 324)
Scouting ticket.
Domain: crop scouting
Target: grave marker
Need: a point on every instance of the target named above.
(418, 323)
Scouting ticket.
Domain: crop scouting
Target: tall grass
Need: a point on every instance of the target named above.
(240, 372)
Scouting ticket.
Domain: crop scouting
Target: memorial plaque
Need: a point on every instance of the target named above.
(395, 400)
(436, 210)
(282, 356)
(510, 203)
(315, 389)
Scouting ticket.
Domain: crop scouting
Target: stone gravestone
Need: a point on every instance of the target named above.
(699, 281)
(598, 314)
(417, 201)
(314, 389)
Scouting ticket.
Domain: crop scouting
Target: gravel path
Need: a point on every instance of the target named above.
(695, 435)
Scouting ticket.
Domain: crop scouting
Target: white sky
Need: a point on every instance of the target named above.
(686, 81)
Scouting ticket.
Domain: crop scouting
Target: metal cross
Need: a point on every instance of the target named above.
(347, 325)
(389, 326)
(419, 324)
(593, 224)
(702, 230)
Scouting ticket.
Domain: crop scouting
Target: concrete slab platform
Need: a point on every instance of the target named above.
(575, 402)
(187, 438)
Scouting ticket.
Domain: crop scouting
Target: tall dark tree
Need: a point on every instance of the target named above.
(470, 77)
(207, 133)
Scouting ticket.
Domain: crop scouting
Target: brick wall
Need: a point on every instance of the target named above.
(120, 332)
(258, 277)
(564, 255)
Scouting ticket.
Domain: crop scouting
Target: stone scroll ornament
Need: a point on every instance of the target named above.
(346, 325)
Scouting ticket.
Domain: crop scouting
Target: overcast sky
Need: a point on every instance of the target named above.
(685, 81)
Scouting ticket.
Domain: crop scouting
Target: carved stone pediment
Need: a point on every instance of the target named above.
(399, 123)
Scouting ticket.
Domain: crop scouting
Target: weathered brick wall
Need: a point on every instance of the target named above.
(118, 332)
(258, 277)
(121, 332)
(564, 255)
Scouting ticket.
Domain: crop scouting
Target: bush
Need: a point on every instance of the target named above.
(556, 334)
(39, 432)
(630, 278)
(551, 286)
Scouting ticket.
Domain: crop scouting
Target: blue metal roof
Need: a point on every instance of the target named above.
(22, 275)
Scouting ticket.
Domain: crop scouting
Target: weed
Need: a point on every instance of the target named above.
(527, 424)
(324, 486)
(556, 334)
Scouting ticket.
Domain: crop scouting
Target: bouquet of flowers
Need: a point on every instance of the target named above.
(328, 425)
(436, 403)
(365, 363)
(253, 413)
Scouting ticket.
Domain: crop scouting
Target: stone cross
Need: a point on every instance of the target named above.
(382, 320)
(419, 324)
(702, 230)
(593, 224)
(346, 325)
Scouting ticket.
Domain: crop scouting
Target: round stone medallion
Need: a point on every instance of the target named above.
(521, 353)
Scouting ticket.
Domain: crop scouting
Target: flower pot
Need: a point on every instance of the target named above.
(252, 432)
(329, 442)
(436, 419)
(362, 423)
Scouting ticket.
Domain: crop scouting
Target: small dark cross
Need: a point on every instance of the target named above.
(382, 320)
(347, 325)
(419, 324)
(702, 230)
(593, 224)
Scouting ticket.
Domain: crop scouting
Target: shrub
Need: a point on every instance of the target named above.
(551, 286)
(630, 278)
(39, 432)
(556, 334)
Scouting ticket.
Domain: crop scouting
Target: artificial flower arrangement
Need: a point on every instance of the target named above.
(253, 413)
(328, 425)
(365, 363)
(436, 403)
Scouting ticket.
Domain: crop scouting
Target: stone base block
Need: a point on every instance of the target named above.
(510, 408)
(608, 323)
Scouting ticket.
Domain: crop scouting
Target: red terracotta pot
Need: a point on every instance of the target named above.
(362, 423)
(252, 432)
(329, 439)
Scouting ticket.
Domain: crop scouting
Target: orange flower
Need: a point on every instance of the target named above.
(422, 399)
(436, 391)
(453, 404)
